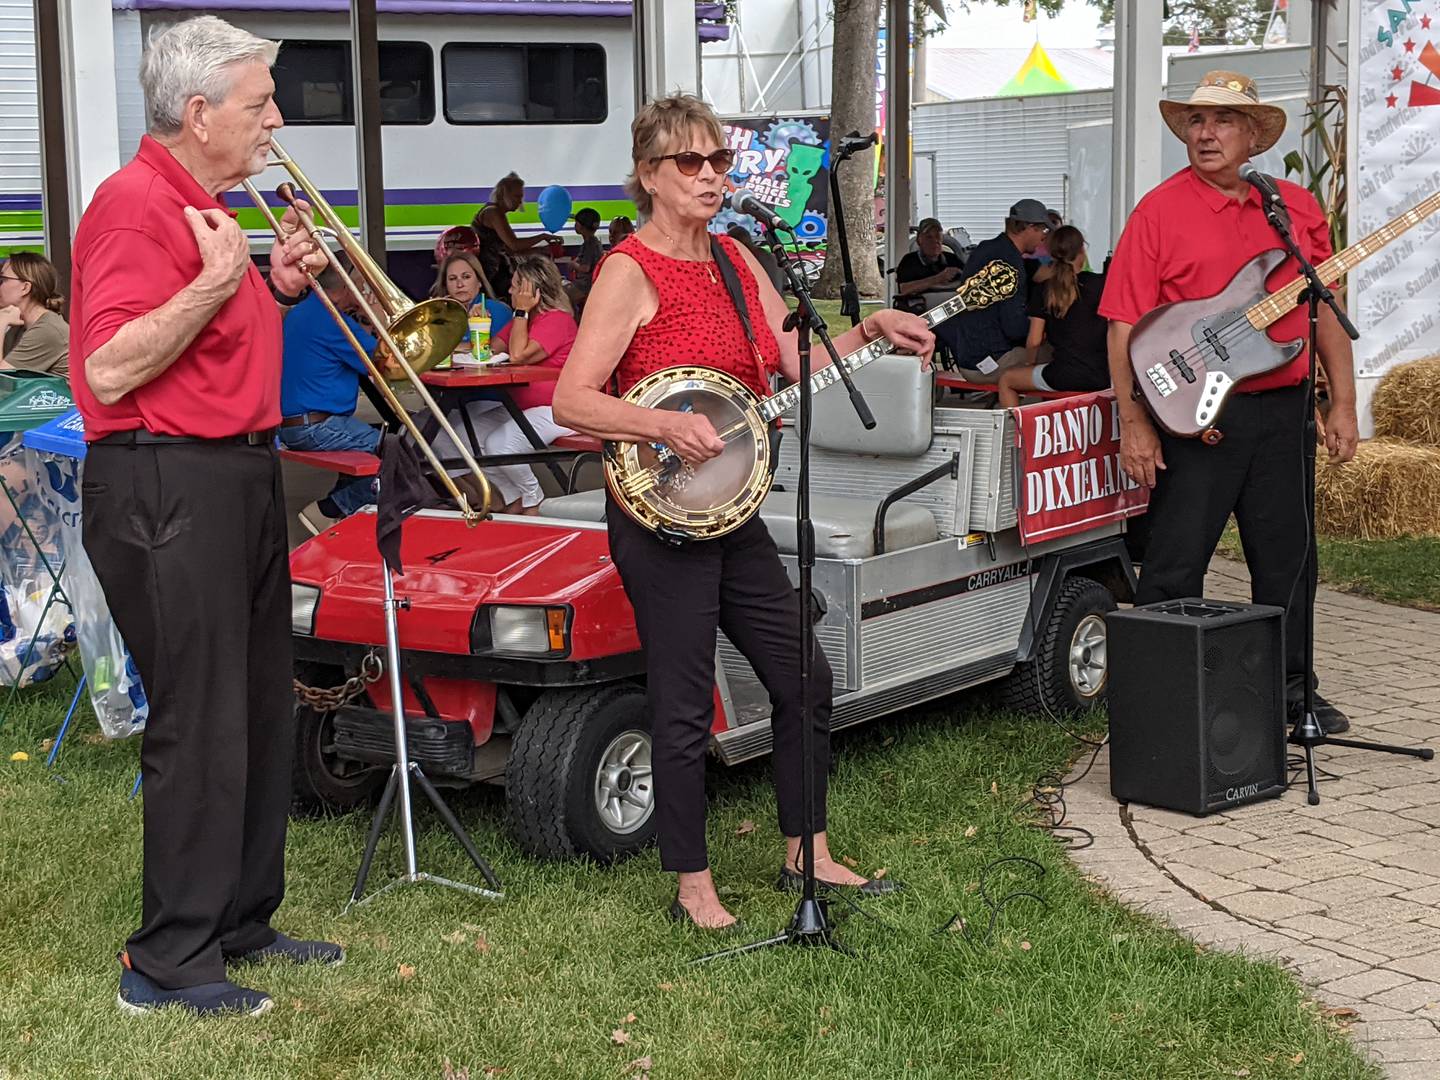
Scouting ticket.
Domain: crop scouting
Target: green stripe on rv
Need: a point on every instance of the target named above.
(444, 215)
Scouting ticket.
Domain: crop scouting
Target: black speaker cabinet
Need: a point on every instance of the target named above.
(1197, 704)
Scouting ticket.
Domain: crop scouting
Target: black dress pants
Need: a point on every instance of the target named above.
(188, 541)
(1256, 472)
(681, 595)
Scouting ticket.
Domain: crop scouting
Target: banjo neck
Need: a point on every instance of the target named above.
(777, 405)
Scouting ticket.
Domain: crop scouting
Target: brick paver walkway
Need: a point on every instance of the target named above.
(1346, 894)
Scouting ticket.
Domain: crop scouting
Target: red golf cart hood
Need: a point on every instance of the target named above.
(451, 569)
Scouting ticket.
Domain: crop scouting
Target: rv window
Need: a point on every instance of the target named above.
(524, 84)
(314, 85)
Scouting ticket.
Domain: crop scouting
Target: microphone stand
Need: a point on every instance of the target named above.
(1307, 732)
(810, 925)
(849, 294)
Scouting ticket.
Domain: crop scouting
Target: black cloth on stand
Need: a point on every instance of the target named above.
(404, 489)
(1077, 338)
(188, 541)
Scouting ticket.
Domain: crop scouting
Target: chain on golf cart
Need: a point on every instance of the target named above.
(328, 700)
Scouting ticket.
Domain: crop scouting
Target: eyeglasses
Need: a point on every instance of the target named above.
(9, 277)
(689, 161)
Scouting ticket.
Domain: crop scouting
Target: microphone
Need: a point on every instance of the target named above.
(855, 142)
(1262, 183)
(744, 201)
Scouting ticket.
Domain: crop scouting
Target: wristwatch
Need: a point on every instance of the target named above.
(284, 299)
(520, 314)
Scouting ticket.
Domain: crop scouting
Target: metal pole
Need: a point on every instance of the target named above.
(397, 710)
(365, 54)
(897, 132)
(53, 167)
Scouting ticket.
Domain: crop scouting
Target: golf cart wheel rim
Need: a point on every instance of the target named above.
(624, 787)
(1087, 656)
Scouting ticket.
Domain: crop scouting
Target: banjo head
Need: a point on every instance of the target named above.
(662, 492)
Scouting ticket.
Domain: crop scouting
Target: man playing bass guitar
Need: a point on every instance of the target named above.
(1185, 241)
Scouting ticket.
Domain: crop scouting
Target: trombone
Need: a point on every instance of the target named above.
(415, 336)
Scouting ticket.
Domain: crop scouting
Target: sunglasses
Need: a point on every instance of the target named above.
(689, 162)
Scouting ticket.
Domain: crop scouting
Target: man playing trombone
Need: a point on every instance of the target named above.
(176, 358)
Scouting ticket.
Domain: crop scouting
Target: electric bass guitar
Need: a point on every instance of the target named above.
(1188, 356)
(679, 501)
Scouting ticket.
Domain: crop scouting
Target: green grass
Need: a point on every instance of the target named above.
(1401, 571)
(1077, 989)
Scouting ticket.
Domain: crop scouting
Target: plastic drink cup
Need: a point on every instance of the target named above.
(479, 337)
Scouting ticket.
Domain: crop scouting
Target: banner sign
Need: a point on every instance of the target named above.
(784, 161)
(1395, 163)
(1070, 476)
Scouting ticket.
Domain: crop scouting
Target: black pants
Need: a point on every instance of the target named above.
(188, 541)
(681, 595)
(1256, 473)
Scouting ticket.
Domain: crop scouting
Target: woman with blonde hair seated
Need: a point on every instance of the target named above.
(36, 338)
(499, 246)
(540, 334)
(461, 278)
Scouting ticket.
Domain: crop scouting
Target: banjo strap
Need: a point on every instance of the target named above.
(737, 297)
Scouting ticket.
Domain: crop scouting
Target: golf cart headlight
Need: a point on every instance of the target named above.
(529, 629)
(303, 601)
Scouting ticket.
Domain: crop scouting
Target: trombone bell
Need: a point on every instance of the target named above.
(427, 333)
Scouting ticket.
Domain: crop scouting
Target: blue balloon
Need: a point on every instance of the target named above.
(554, 204)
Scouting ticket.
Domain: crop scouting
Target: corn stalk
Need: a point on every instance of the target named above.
(1323, 174)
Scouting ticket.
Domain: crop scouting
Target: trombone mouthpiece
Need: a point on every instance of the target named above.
(286, 192)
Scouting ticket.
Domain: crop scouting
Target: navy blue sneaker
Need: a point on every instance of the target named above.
(139, 995)
(297, 952)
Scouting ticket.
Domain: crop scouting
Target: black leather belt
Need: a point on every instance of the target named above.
(141, 437)
(305, 418)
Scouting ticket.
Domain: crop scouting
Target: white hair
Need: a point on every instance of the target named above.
(193, 57)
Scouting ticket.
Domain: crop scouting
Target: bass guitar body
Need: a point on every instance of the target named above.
(1188, 356)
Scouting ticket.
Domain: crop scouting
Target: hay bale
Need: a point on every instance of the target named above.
(1407, 403)
(1391, 489)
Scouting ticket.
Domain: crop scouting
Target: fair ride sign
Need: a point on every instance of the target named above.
(1070, 476)
(1394, 155)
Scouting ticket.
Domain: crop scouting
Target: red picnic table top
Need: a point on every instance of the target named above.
(468, 377)
(950, 381)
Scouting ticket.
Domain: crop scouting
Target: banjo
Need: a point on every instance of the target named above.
(681, 502)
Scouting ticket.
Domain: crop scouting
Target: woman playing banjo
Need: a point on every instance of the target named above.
(660, 300)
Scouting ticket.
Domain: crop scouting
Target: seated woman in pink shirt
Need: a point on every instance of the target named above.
(541, 333)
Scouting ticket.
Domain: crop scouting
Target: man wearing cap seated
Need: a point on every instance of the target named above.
(1185, 240)
(988, 340)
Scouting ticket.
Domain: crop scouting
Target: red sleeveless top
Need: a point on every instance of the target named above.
(696, 321)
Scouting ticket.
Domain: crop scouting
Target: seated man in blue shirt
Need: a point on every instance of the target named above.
(979, 339)
(319, 387)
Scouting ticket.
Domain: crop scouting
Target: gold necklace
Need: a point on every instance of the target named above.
(708, 263)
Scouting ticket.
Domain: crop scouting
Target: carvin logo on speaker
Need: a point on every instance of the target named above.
(1242, 792)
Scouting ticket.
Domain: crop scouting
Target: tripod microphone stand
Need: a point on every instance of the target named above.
(1307, 732)
(810, 925)
(401, 774)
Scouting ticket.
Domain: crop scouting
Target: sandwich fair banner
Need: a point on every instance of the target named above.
(1395, 163)
(1070, 476)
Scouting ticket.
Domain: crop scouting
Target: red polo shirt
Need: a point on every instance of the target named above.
(134, 250)
(1185, 241)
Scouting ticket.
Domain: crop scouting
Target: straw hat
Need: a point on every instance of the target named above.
(1233, 91)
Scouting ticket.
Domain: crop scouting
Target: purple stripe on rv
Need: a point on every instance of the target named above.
(579, 193)
(710, 16)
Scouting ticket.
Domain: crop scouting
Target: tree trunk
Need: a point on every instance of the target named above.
(852, 108)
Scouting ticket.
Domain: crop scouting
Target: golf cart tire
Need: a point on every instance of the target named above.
(551, 773)
(319, 784)
(1044, 683)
